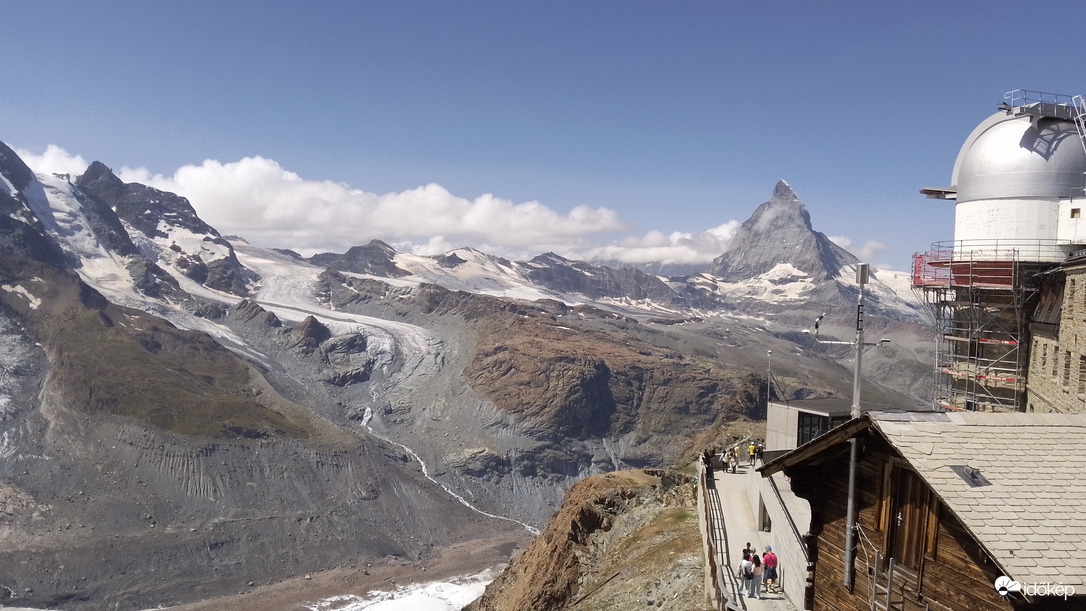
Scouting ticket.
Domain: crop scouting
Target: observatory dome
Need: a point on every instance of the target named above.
(1013, 157)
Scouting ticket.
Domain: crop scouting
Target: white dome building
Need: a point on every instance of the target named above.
(1020, 182)
(1020, 188)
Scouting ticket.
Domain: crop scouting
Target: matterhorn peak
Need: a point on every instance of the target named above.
(780, 232)
(783, 190)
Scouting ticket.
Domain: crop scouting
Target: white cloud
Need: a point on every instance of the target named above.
(54, 160)
(868, 251)
(268, 205)
(261, 201)
(674, 248)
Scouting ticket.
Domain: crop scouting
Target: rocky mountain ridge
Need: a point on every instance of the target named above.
(776, 263)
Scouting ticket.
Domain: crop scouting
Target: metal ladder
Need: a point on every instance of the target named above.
(882, 595)
(1078, 110)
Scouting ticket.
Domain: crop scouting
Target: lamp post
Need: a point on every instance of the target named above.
(768, 378)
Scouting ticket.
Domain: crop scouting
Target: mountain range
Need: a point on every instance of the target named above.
(184, 413)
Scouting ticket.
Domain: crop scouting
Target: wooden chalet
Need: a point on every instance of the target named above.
(946, 504)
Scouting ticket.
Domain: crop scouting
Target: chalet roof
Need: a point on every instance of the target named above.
(1026, 518)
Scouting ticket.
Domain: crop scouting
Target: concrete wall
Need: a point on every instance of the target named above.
(781, 424)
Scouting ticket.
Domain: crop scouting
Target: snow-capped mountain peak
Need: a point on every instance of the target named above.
(780, 231)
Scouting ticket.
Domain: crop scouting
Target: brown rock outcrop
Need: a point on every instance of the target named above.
(638, 524)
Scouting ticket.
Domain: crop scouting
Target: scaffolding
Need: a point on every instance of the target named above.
(981, 296)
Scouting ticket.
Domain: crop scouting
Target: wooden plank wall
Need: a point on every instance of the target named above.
(827, 486)
(955, 575)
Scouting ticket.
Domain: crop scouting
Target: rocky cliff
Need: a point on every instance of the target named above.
(622, 540)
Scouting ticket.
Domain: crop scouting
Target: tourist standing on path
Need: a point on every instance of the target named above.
(745, 571)
(753, 448)
(754, 589)
(769, 560)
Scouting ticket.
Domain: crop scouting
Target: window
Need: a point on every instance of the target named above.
(812, 426)
(1066, 369)
(1082, 374)
(1074, 213)
(1070, 301)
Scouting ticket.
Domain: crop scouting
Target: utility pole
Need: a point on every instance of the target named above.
(854, 443)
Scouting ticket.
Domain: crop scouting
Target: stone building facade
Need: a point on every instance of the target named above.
(1057, 358)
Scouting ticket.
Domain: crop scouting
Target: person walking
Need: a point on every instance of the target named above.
(707, 462)
(745, 572)
(753, 448)
(755, 587)
(769, 575)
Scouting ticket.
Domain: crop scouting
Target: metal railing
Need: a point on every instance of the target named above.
(1024, 97)
(998, 250)
(791, 522)
(985, 261)
(720, 594)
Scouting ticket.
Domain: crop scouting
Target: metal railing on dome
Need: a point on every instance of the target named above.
(983, 263)
(1044, 104)
(1025, 97)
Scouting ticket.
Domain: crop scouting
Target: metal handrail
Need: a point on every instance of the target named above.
(1019, 250)
(791, 523)
(1022, 97)
(722, 597)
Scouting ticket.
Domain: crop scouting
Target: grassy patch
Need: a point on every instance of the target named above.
(130, 364)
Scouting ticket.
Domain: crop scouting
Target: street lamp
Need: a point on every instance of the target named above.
(768, 379)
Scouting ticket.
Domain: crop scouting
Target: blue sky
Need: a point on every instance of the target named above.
(632, 130)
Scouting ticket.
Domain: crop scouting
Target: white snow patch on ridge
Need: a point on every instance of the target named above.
(479, 273)
(784, 283)
(34, 301)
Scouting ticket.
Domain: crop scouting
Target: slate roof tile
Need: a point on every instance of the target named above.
(1036, 464)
